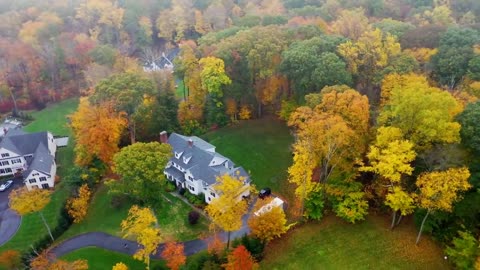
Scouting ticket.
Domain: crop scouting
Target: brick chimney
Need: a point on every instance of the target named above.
(163, 137)
(190, 142)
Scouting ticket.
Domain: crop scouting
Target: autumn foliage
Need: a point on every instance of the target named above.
(269, 224)
(46, 261)
(173, 254)
(10, 259)
(240, 259)
(78, 207)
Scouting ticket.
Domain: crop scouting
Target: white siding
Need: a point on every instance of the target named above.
(52, 146)
(36, 175)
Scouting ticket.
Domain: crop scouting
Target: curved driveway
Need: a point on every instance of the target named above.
(9, 220)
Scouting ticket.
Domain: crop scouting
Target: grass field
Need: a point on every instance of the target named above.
(261, 146)
(100, 259)
(334, 244)
(32, 229)
(172, 218)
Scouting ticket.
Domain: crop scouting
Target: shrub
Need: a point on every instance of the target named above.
(197, 200)
(170, 186)
(193, 217)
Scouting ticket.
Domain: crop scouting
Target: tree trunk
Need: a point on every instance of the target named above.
(46, 225)
(399, 219)
(15, 108)
(228, 239)
(421, 227)
(259, 109)
(394, 215)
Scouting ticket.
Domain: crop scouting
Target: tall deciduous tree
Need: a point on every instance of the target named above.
(240, 259)
(97, 130)
(351, 23)
(228, 208)
(77, 207)
(269, 224)
(25, 202)
(140, 167)
(126, 93)
(470, 131)
(173, 254)
(440, 190)
(141, 224)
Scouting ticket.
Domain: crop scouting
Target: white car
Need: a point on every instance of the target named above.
(6, 185)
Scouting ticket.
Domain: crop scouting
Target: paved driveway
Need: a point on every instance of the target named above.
(9, 220)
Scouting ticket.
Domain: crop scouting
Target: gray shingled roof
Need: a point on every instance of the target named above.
(42, 160)
(24, 143)
(201, 159)
(176, 174)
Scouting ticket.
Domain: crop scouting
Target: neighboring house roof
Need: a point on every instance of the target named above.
(9, 125)
(203, 162)
(24, 143)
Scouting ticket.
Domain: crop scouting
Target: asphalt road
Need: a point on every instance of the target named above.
(9, 220)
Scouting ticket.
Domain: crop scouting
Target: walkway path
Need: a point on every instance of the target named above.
(9, 220)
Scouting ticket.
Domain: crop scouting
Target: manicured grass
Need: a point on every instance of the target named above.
(32, 229)
(53, 118)
(103, 217)
(334, 244)
(261, 146)
(179, 90)
(103, 259)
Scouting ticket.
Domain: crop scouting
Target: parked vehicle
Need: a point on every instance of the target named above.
(265, 192)
(6, 185)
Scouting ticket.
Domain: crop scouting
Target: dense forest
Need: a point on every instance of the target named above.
(382, 95)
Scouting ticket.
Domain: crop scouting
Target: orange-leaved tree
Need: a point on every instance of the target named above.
(10, 259)
(46, 261)
(173, 254)
(141, 224)
(77, 207)
(25, 202)
(240, 259)
(97, 130)
(269, 223)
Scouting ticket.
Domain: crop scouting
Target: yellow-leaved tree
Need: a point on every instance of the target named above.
(268, 224)
(141, 224)
(440, 190)
(97, 131)
(46, 261)
(25, 202)
(120, 266)
(77, 207)
(227, 209)
(390, 158)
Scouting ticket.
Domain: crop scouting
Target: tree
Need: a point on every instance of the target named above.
(10, 259)
(97, 131)
(140, 167)
(46, 261)
(368, 56)
(228, 208)
(353, 207)
(213, 75)
(173, 254)
(269, 224)
(78, 207)
(240, 259)
(314, 203)
(126, 93)
(25, 202)
(470, 131)
(120, 266)
(424, 114)
(394, 27)
(141, 224)
(351, 23)
(439, 190)
(464, 250)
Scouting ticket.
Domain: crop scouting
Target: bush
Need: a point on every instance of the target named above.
(170, 186)
(254, 245)
(193, 217)
(197, 200)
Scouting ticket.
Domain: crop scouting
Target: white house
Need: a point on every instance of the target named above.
(30, 154)
(195, 166)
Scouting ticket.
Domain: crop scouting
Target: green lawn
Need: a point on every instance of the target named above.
(261, 146)
(100, 259)
(32, 228)
(334, 244)
(53, 118)
(172, 218)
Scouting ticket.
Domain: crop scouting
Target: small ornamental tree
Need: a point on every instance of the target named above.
(240, 259)
(174, 255)
(463, 251)
(78, 207)
(193, 217)
(25, 202)
(10, 259)
(120, 266)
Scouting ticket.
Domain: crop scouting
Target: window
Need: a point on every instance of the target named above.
(213, 194)
(35, 174)
(43, 179)
(31, 181)
(191, 188)
(5, 163)
(2, 171)
(5, 155)
(45, 186)
(8, 170)
(190, 178)
(16, 161)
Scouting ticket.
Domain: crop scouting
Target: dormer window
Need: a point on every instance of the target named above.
(178, 154)
(5, 154)
(186, 159)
